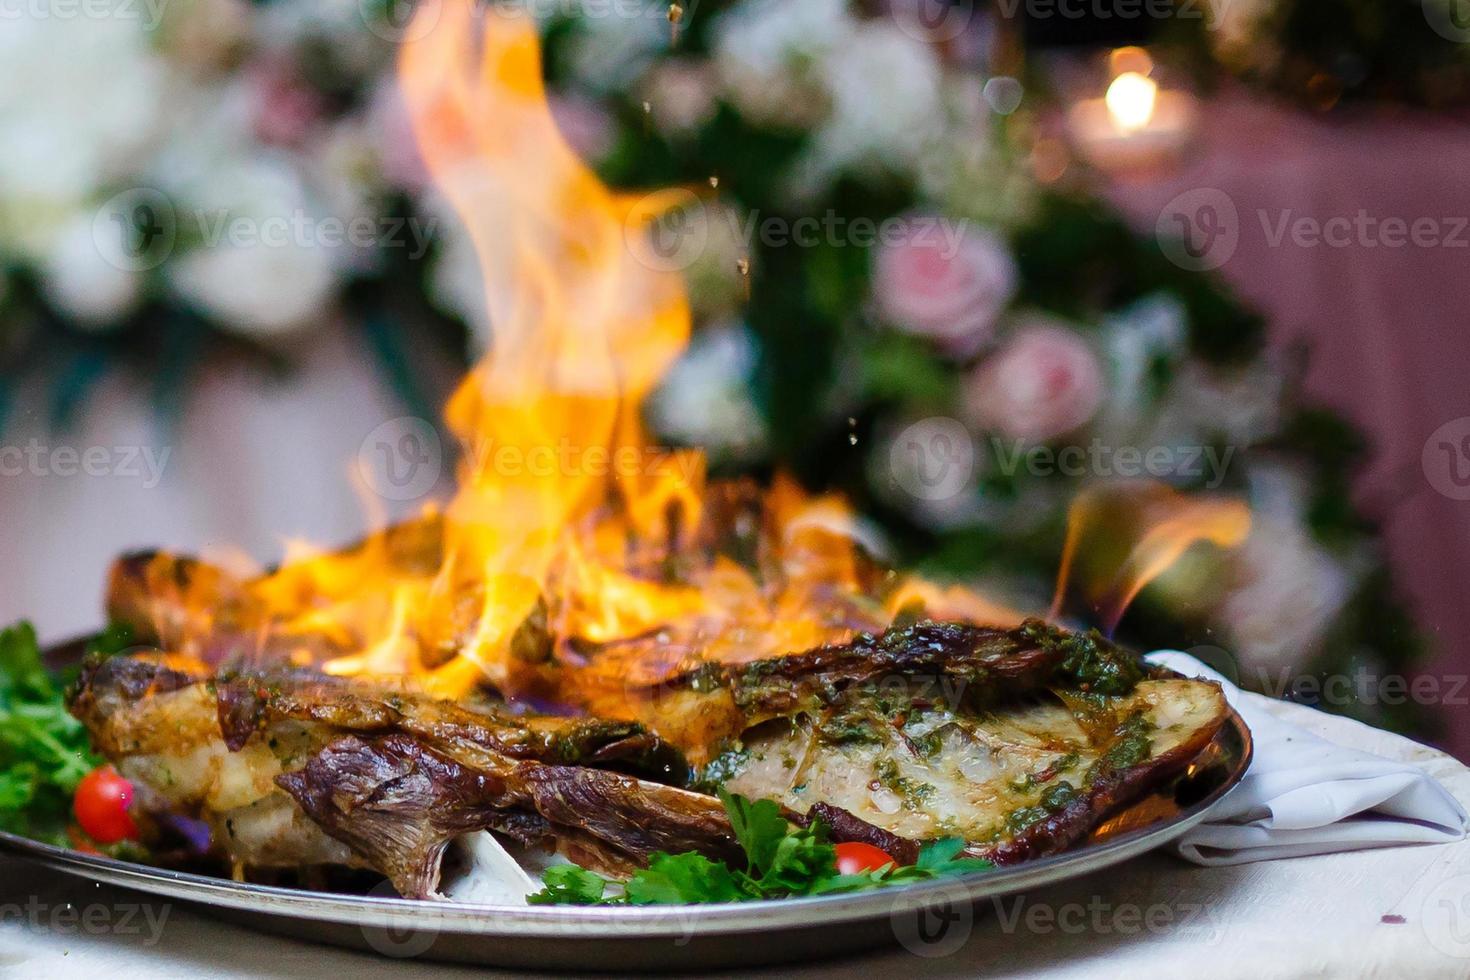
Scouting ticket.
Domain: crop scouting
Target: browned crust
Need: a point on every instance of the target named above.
(703, 709)
(398, 803)
(1108, 792)
(843, 826)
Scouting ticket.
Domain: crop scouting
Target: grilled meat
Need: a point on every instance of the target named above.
(1030, 779)
(189, 606)
(1021, 741)
(704, 709)
(296, 769)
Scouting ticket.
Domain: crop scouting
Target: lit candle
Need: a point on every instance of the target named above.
(1136, 124)
(1130, 101)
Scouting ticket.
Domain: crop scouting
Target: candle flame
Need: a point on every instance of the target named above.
(1130, 100)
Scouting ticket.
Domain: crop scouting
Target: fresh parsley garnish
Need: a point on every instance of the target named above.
(44, 751)
(781, 861)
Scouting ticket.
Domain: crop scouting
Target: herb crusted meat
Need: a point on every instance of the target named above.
(1020, 741)
(300, 769)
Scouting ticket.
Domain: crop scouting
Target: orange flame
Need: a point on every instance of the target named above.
(575, 560)
(1135, 532)
(574, 553)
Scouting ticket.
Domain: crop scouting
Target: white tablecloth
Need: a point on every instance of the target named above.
(1399, 912)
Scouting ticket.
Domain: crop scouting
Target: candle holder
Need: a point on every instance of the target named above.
(1138, 123)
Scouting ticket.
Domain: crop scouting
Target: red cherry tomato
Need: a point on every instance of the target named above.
(854, 857)
(101, 806)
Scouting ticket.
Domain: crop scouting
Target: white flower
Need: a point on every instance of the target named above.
(1287, 592)
(82, 99)
(87, 276)
(1237, 25)
(263, 268)
(884, 87)
(347, 31)
(347, 177)
(614, 43)
(456, 281)
(1243, 405)
(970, 169)
(704, 399)
(769, 54)
(927, 467)
(1135, 338)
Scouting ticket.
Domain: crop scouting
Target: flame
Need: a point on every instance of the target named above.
(574, 553)
(1135, 531)
(576, 560)
(1130, 100)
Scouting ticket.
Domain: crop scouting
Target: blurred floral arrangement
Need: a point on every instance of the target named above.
(901, 286)
(1322, 52)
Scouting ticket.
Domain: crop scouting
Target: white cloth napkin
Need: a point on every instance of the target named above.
(1305, 795)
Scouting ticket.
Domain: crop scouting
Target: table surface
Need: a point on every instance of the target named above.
(1395, 912)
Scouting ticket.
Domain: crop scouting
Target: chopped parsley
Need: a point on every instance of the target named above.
(781, 861)
(1131, 742)
(1052, 801)
(913, 793)
(1089, 660)
(721, 769)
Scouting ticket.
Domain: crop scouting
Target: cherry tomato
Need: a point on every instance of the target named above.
(101, 806)
(854, 857)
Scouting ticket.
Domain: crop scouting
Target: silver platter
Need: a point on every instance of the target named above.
(666, 937)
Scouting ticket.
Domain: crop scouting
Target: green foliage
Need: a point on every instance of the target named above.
(1107, 266)
(1322, 51)
(781, 861)
(44, 751)
(567, 884)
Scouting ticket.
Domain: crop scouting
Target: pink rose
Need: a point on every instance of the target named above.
(1045, 382)
(584, 124)
(285, 107)
(946, 281)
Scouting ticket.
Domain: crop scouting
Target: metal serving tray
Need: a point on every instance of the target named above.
(667, 937)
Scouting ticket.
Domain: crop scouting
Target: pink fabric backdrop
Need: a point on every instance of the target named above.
(1388, 325)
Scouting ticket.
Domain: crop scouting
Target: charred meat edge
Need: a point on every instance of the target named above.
(706, 708)
(1109, 789)
(406, 774)
(398, 801)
